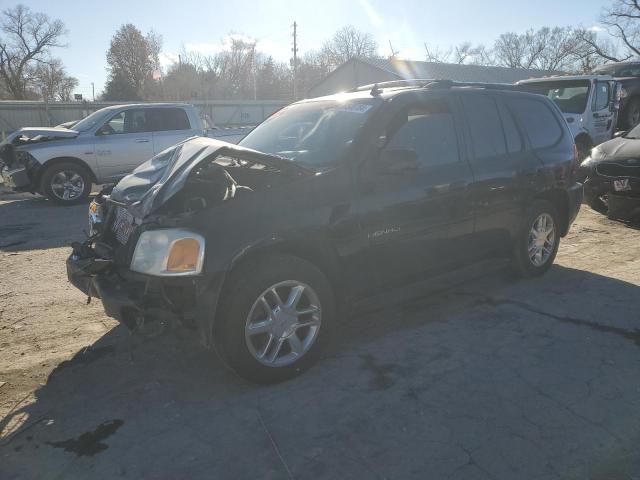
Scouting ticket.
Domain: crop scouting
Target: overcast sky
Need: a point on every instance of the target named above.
(202, 26)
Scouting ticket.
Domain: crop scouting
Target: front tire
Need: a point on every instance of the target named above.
(276, 318)
(66, 183)
(537, 243)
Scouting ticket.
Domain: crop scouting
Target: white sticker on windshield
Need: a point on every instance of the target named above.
(354, 108)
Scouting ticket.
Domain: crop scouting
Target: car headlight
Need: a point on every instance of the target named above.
(169, 253)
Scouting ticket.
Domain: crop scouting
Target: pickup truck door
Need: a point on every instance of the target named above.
(171, 125)
(603, 116)
(414, 204)
(122, 143)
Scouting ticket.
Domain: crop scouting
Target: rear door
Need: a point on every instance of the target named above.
(123, 143)
(170, 126)
(416, 218)
(505, 171)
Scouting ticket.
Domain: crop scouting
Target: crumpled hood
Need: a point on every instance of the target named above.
(46, 132)
(157, 180)
(616, 149)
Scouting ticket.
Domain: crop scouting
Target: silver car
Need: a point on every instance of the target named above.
(62, 163)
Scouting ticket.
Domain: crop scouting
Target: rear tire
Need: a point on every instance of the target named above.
(584, 146)
(66, 183)
(534, 253)
(249, 306)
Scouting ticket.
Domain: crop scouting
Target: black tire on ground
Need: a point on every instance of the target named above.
(78, 178)
(583, 145)
(597, 204)
(522, 263)
(631, 113)
(244, 289)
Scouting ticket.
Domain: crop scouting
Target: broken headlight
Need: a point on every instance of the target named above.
(169, 252)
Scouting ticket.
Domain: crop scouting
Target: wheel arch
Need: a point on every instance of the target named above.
(560, 200)
(57, 160)
(312, 251)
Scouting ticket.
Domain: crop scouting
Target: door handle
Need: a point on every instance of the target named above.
(142, 140)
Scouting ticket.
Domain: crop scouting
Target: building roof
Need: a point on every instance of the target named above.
(453, 71)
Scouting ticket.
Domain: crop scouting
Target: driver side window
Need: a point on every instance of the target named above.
(428, 130)
(601, 98)
(129, 121)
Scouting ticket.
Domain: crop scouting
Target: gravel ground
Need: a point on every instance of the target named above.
(536, 379)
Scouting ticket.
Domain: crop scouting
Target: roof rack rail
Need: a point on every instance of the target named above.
(431, 83)
(418, 82)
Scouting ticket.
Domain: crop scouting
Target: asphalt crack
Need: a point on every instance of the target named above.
(632, 335)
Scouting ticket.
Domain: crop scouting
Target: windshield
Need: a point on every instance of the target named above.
(91, 121)
(570, 95)
(313, 133)
(628, 70)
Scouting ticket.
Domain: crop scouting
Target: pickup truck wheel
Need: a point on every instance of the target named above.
(632, 113)
(537, 244)
(66, 183)
(277, 318)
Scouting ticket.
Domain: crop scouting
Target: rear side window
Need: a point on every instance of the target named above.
(511, 133)
(537, 120)
(485, 126)
(429, 130)
(165, 119)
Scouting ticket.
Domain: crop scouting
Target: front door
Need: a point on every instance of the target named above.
(602, 115)
(122, 143)
(414, 205)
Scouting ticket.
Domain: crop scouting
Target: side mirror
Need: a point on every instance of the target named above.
(103, 130)
(397, 160)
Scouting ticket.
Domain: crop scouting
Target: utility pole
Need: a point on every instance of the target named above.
(93, 91)
(253, 68)
(295, 61)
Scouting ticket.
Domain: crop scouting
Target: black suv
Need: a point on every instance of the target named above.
(330, 200)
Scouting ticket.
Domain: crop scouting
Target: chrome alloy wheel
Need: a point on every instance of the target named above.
(67, 185)
(542, 237)
(278, 332)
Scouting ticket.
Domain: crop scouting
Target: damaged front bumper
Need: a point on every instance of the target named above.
(15, 178)
(137, 300)
(618, 185)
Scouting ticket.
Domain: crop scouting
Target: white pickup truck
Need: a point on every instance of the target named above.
(63, 163)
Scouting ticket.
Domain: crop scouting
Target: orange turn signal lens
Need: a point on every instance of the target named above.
(184, 255)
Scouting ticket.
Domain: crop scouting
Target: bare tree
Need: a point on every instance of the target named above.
(622, 20)
(26, 41)
(52, 81)
(133, 61)
(348, 43)
(557, 48)
(463, 53)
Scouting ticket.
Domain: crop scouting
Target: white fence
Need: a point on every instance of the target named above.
(223, 113)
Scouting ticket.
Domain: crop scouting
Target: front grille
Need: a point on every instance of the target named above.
(618, 170)
(123, 225)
